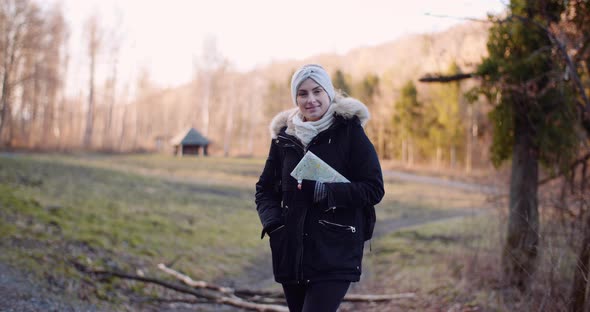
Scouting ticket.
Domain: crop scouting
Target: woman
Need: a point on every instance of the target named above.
(317, 229)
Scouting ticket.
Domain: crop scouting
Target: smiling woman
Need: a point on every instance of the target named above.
(317, 230)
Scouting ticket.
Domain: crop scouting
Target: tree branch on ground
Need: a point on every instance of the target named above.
(214, 294)
(211, 297)
(242, 292)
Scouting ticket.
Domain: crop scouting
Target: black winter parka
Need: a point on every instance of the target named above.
(319, 241)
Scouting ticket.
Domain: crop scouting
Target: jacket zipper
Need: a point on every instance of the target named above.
(280, 227)
(302, 149)
(299, 148)
(295, 143)
(350, 228)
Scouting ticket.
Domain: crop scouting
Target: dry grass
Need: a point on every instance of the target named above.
(131, 212)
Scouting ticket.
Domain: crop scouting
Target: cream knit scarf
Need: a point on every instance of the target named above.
(305, 131)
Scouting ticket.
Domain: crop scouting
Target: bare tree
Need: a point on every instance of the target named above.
(114, 41)
(53, 56)
(229, 97)
(15, 17)
(94, 37)
(210, 63)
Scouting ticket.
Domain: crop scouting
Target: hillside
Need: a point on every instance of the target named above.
(242, 104)
(405, 58)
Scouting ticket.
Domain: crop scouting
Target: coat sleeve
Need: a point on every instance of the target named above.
(269, 192)
(366, 187)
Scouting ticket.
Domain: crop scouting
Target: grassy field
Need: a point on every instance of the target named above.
(132, 212)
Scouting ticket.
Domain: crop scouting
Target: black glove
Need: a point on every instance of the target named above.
(320, 192)
(271, 228)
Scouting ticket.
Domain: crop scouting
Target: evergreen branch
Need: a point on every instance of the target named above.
(563, 51)
(445, 79)
(560, 47)
(580, 161)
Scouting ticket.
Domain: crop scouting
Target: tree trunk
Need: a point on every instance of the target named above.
(94, 40)
(469, 141)
(33, 133)
(123, 129)
(580, 285)
(520, 250)
(411, 152)
(381, 140)
(229, 122)
(404, 151)
(90, 112)
(108, 124)
(5, 111)
(250, 122)
(9, 63)
(205, 108)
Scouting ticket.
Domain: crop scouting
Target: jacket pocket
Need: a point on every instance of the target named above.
(276, 230)
(338, 248)
(337, 227)
(279, 248)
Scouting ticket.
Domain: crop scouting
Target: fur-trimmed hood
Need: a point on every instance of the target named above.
(345, 107)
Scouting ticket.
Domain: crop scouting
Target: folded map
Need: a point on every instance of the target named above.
(311, 167)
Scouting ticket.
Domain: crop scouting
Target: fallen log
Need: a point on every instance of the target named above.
(241, 292)
(211, 297)
(376, 298)
(214, 294)
(226, 290)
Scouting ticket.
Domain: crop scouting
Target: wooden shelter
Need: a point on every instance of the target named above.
(189, 142)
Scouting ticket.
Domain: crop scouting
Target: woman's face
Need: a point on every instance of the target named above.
(312, 100)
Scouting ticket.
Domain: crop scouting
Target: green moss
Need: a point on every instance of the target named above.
(144, 217)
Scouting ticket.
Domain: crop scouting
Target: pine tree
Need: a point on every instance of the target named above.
(409, 120)
(341, 82)
(448, 130)
(533, 121)
(367, 89)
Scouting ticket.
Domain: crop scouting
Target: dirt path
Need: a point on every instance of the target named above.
(259, 275)
(18, 293)
(422, 179)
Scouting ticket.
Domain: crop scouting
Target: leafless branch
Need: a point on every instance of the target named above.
(442, 78)
(226, 290)
(215, 294)
(479, 20)
(212, 297)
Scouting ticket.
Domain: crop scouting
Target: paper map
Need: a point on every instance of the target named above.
(311, 167)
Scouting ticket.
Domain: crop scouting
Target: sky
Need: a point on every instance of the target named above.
(166, 37)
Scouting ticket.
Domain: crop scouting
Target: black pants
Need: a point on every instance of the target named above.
(316, 297)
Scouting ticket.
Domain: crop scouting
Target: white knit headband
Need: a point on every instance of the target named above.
(318, 74)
